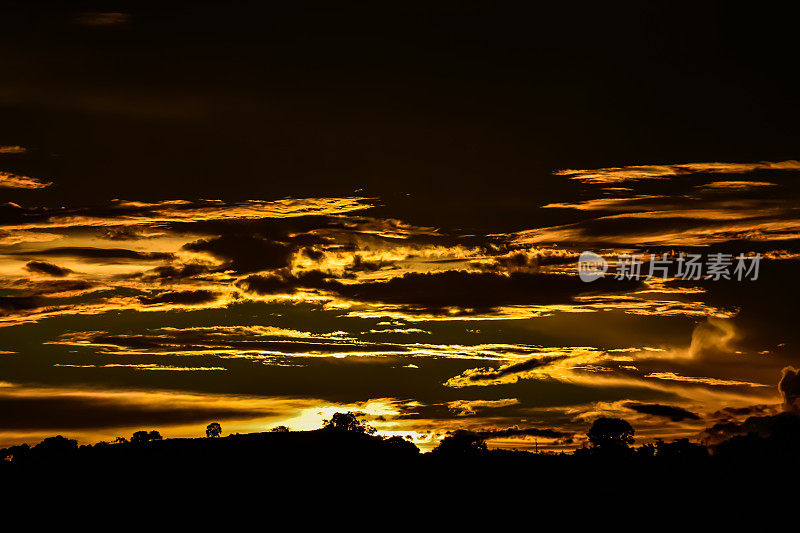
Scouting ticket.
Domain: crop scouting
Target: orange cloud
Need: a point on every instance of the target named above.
(14, 181)
(655, 172)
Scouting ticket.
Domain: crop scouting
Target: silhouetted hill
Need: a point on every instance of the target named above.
(343, 464)
(234, 454)
(346, 461)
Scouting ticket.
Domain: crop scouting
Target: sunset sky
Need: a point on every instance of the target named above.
(221, 211)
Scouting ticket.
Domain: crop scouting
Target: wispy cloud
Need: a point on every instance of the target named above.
(672, 376)
(737, 186)
(15, 181)
(655, 172)
(12, 149)
(471, 407)
(122, 213)
(149, 367)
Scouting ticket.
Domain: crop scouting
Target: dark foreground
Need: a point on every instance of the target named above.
(354, 467)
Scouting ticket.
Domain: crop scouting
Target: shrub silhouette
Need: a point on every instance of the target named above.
(680, 449)
(143, 437)
(461, 443)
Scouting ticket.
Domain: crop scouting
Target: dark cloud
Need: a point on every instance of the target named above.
(515, 431)
(360, 264)
(676, 414)
(64, 412)
(475, 290)
(57, 286)
(514, 368)
(181, 297)
(449, 289)
(764, 427)
(731, 413)
(12, 304)
(43, 267)
(524, 366)
(245, 253)
(123, 233)
(313, 254)
(167, 273)
(265, 284)
(214, 340)
(19, 305)
(282, 281)
(520, 261)
(790, 387)
(89, 253)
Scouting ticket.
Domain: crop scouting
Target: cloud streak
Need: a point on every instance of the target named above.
(612, 175)
(15, 181)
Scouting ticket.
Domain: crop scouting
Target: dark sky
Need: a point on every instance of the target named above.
(282, 98)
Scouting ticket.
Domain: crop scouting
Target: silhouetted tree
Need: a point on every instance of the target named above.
(461, 443)
(142, 437)
(213, 430)
(400, 446)
(611, 435)
(280, 429)
(57, 444)
(347, 422)
(15, 453)
(680, 449)
(646, 450)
